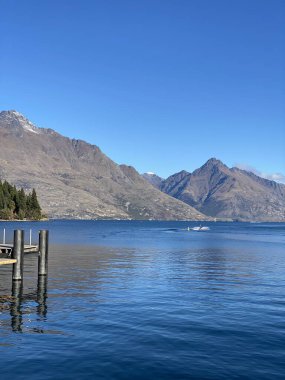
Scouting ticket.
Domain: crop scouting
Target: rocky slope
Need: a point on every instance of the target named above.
(153, 179)
(74, 179)
(218, 191)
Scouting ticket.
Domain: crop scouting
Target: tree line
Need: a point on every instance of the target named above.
(16, 204)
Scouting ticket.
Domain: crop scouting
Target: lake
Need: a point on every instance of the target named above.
(147, 300)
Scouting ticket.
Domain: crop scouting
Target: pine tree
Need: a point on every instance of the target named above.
(22, 204)
(16, 204)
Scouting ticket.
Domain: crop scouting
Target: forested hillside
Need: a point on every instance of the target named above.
(15, 204)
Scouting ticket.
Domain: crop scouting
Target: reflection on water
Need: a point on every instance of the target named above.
(17, 301)
(42, 296)
(16, 306)
(153, 301)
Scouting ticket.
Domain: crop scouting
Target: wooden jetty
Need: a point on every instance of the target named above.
(15, 253)
(7, 249)
(28, 248)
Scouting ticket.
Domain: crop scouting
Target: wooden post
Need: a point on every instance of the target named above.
(18, 254)
(43, 253)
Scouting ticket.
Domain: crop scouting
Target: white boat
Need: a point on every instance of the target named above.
(200, 228)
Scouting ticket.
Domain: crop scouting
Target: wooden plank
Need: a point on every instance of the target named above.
(7, 261)
(6, 248)
(11, 245)
(31, 248)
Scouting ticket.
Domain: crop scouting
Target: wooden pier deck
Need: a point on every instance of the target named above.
(7, 248)
(7, 261)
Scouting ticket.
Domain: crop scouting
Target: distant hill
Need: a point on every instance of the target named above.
(153, 179)
(219, 191)
(75, 179)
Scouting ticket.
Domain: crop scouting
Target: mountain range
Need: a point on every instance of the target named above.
(74, 179)
(227, 193)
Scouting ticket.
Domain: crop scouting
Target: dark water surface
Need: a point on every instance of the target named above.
(147, 300)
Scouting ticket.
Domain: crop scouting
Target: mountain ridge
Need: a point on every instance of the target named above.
(153, 179)
(230, 193)
(75, 179)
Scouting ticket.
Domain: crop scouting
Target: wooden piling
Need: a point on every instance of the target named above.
(43, 253)
(18, 254)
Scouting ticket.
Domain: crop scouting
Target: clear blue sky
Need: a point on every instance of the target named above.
(162, 85)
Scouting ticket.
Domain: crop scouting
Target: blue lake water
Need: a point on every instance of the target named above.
(147, 300)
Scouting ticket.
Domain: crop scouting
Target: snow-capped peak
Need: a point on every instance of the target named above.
(22, 121)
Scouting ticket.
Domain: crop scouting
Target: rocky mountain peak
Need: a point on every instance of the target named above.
(213, 165)
(218, 191)
(14, 119)
(153, 179)
(214, 162)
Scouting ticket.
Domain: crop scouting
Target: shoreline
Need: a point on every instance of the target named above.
(143, 220)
